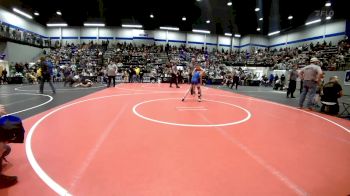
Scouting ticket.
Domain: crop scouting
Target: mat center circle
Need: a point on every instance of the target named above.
(209, 113)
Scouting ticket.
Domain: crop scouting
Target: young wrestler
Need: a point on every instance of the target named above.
(196, 81)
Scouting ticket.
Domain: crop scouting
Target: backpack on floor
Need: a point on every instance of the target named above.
(11, 129)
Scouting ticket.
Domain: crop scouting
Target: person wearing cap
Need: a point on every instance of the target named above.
(331, 91)
(5, 149)
(311, 75)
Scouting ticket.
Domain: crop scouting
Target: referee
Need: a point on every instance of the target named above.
(174, 76)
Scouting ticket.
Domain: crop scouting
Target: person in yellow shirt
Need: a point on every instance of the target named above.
(38, 74)
(137, 71)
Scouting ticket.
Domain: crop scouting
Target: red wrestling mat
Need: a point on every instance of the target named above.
(140, 139)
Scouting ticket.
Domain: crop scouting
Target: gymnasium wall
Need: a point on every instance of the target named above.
(250, 43)
(225, 43)
(211, 42)
(18, 53)
(244, 43)
(195, 40)
(176, 38)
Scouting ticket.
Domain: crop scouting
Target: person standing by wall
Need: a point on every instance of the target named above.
(4, 76)
(137, 73)
(311, 75)
(235, 78)
(111, 73)
(142, 72)
(131, 73)
(271, 79)
(174, 75)
(45, 75)
(292, 82)
(283, 80)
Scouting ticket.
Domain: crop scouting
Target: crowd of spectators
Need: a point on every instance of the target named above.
(91, 60)
(332, 57)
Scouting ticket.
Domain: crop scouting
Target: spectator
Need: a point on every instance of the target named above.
(4, 76)
(283, 80)
(292, 81)
(331, 92)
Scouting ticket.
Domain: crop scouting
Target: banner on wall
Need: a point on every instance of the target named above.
(347, 77)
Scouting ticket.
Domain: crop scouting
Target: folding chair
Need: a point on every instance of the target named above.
(346, 109)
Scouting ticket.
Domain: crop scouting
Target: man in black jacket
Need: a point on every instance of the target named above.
(174, 75)
(46, 75)
(292, 81)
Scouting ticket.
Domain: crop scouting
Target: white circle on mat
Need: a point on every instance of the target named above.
(248, 116)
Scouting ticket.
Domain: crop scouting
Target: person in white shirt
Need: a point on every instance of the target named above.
(111, 73)
(311, 76)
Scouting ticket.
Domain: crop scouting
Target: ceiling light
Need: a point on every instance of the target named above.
(228, 34)
(290, 17)
(151, 16)
(198, 0)
(328, 4)
(94, 24)
(261, 19)
(184, 18)
(59, 13)
(36, 13)
(328, 18)
(237, 35)
(131, 26)
(22, 13)
(274, 33)
(56, 24)
(229, 3)
(258, 29)
(312, 22)
(200, 31)
(257, 9)
(170, 28)
(208, 21)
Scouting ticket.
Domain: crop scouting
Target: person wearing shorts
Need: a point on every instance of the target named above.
(196, 82)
